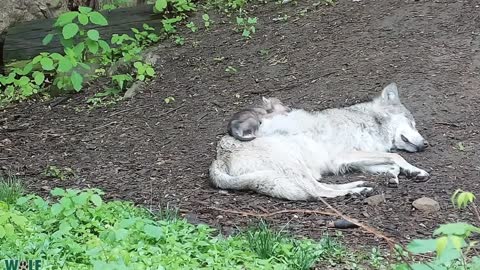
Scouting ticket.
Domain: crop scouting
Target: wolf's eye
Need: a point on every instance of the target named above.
(405, 139)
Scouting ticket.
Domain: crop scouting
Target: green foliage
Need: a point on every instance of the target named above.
(10, 189)
(206, 20)
(192, 27)
(79, 230)
(169, 99)
(228, 6)
(453, 243)
(143, 71)
(59, 173)
(246, 26)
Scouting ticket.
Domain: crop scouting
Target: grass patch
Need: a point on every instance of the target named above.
(11, 188)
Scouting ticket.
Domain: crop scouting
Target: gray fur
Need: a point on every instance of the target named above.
(292, 152)
(244, 124)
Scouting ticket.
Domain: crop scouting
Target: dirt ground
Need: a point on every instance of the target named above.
(157, 154)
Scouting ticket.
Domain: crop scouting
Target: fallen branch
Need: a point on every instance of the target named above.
(335, 213)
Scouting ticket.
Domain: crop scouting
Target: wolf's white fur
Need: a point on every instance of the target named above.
(292, 152)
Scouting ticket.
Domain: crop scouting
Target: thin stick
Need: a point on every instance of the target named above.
(335, 213)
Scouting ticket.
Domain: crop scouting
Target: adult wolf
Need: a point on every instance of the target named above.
(292, 152)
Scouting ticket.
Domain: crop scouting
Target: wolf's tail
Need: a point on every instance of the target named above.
(294, 187)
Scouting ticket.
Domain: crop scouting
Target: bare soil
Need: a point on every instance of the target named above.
(157, 154)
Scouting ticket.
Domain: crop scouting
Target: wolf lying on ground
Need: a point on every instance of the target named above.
(244, 124)
(293, 151)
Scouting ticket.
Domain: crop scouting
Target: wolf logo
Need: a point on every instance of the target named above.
(293, 151)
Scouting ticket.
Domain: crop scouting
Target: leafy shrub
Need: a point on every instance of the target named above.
(81, 231)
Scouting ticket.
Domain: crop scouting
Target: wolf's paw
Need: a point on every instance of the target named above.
(362, 190)
(422, 176)
(393, 182)
(417, 174)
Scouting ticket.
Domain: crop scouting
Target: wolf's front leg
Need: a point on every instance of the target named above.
(380, 162)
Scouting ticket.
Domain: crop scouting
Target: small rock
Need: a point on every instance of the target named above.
(223, 192)
(6, 141)
(375, 200)
(426, 204)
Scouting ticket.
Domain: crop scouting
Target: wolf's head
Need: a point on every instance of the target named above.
(400, 121)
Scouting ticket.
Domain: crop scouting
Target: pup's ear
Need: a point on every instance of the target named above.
(265, 100)
(390, 94)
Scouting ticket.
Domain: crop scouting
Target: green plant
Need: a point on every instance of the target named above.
(169, 99)
(79, 230)
(263, 241)
(192, 27)
(81, 46)
(247, 26)
(143, 71)
(230, 69)
(11, 188)
(179, 40)
(62, 174)
(206, 20)
(453, 243)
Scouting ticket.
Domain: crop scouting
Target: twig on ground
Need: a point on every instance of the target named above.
(334, 212)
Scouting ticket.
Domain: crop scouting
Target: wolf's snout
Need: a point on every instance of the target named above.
(422, 146)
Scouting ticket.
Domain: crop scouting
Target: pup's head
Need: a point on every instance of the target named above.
(400, 121)
(274, 105)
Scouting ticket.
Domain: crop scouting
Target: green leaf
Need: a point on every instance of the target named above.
(9, 230)
(97, 18)
(104, 45)
(23, 81)
(121, 234)
(84, 10)
(93, 34)
(66, 18)
(27, 91)
(70, 30)
(96, 200)
(56, 209)
(459, 228)
(27, 69)
(76, 80)
(457, 242)
(56, 56)
(83, 19)
(47, 64)
(58, 192)
(160, 5)
(64, 65)
(2, 232)
(252, 20)
(150, 71)
(441, 245)
(19, 220)
(78, 50)
(419, 246)
(153, 231)
(205, 17)
(92, 46)
(47, 39)
(38, 77)
(246, 33)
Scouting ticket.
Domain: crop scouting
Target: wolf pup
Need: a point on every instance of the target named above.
(244, 124)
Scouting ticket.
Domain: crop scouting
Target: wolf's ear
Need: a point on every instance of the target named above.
(390, 94)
